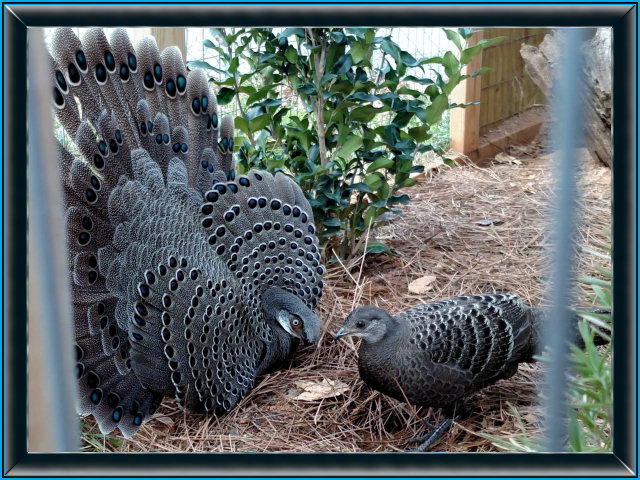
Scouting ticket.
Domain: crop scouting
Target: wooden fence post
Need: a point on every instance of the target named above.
(167, 37)
(465, 122)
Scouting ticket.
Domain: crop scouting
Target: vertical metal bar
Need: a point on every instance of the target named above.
(566, 138)
(52, 420)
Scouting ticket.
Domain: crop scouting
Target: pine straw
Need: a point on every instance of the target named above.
(438, 234)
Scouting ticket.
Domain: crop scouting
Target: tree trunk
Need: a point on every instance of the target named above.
(540, 63)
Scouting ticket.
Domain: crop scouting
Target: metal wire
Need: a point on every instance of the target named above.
(566, 138)
(52, 420)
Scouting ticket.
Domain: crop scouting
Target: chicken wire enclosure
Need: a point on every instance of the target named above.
(419, 42)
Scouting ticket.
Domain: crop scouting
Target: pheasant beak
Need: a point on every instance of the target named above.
(341, 333)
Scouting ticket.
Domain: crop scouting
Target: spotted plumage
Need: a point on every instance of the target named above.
(437, 354)
(188, 279)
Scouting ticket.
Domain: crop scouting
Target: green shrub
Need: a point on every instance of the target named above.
(352, 145)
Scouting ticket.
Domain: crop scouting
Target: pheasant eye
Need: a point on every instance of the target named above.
(296, 323)
(360, 324)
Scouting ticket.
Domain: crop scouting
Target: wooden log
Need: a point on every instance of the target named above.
(540, 64)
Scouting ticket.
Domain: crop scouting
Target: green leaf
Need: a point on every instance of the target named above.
(369, 35)
(432, 91)
(454, 79)
(402, 119)
(241, 124)
(407, 59)
(451, 64)
(269, 102)
(365, 97)
(225, 95)
(406, 146)
(466, 32)
(206, 66)
(481, 71)
(219, 32)
(291, 54)
(403, 199)
(350, 145)
(331, 222)
(255, 112)
(339, 37)
(259, 122)
(233, 65)
(370, 217)
(298, 32)
(424, 61)
(377, 247)
(408, 91)
(359, 51)
(307, 89)
(409, 182)
(259, 95)
(380, 163)
(454, 37)
(433, 112)
(344, 86)
(265, 57)
(327, 77)
(389, 46)
(361, 187)
(468, 53)
(420, 134)
(358, 32)
(489, 42)
(364, 114)
(374, 180)
(343, 65)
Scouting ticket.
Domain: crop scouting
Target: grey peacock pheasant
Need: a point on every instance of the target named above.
(188, 280)
(437, 354)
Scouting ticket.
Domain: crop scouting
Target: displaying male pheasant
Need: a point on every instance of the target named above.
(188, 280)
(437, 354)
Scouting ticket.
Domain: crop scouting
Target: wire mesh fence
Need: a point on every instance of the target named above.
(419, 42)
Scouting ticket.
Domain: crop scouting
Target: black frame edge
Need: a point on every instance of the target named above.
(18, 462)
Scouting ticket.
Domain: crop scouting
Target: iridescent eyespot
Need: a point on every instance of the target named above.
(157, 72)
(148, 81)
(124, 72)
(101, 73)
(81, 60)
(133, 63)
(182, 83)
(74, 75)
(58, 98)
(62, 83)
(109, 61)
(170, 87)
